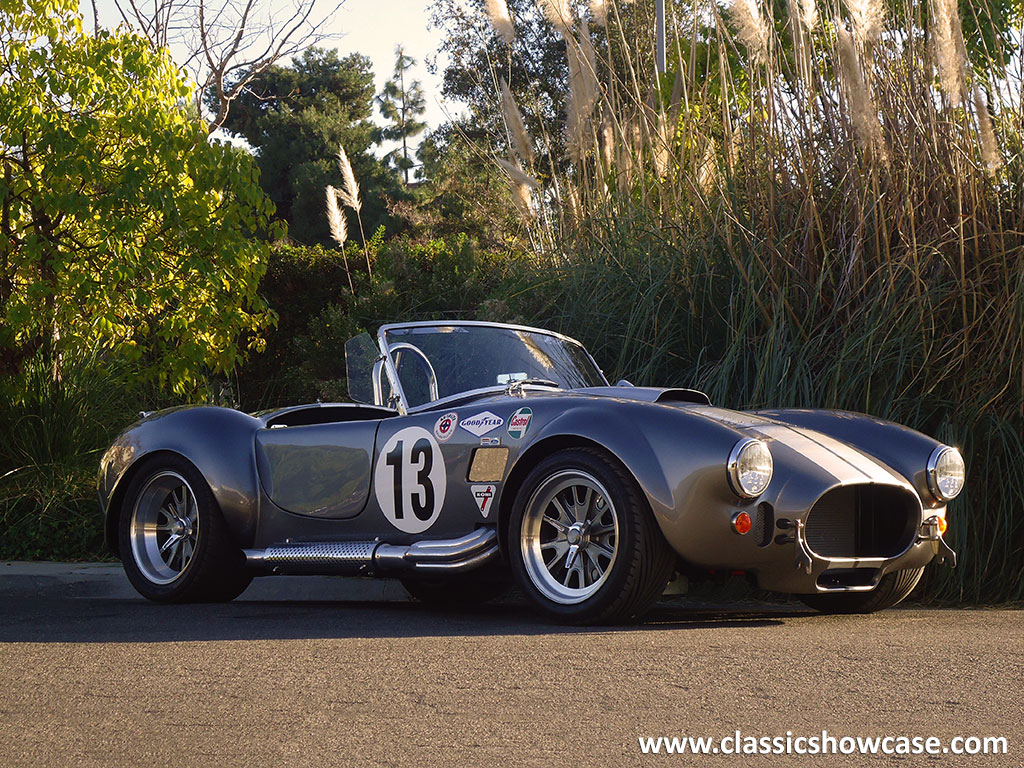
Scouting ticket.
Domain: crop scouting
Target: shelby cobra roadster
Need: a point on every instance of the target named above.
(475, 452)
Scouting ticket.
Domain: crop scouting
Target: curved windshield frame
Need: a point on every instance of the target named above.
(472, 356)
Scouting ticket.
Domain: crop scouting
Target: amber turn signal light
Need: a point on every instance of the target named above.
(741, 523)
(943, 524)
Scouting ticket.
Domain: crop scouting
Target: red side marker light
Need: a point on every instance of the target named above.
(741, 523)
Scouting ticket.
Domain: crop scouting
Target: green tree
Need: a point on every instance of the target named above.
(295, 118)
(402, 103)
(121, 227)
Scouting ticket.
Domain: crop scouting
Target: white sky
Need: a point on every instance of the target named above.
(370, 27)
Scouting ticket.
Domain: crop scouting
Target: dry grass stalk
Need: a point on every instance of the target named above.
(707, 169)
(516, 127)
(863, 112)
(661, 140)
(866, 17)
(497, 12)
(607, 141)
(989, 145)
(751, 28)
(950, 54)
(335, 218)
(583, 90)
(599, 12)
(349, 192)
(559, 15)
(523, 199)
(809, 14)
(338, 227)
(517, 174)
(349, 195)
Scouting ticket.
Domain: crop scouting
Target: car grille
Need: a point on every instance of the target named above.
(863, 521)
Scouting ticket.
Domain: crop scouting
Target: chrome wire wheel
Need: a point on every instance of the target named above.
(569, 536)
(164, 527)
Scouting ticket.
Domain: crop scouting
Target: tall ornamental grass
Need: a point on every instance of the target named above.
(818, 205)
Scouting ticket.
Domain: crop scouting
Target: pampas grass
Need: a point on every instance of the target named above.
(751, 28)
(521, 143)
(865, 20)
(349, 195)
(338, 228)
(863, 112)
(989, 145)
(950, 54)
(599, 12)
(518, 175)
(559, 15)
(497, 12)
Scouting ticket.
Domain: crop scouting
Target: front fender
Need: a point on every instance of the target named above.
(220, 442)
(677, 458)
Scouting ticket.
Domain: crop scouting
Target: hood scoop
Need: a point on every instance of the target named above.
(650, 394)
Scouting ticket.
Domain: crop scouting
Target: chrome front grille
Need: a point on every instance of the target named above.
(863, 521)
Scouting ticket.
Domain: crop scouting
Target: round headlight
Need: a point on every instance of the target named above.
(750, 467)
(946, 473)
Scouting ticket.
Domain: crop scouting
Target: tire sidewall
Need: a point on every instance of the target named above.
(625, 500)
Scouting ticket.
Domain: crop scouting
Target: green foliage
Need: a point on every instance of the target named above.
(296, 117)
(121, 226)
(449, 277)
(54, 433)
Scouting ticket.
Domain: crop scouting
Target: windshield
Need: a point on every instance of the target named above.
(468, 357)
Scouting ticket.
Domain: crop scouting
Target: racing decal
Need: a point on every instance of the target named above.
(519, 422)
(482, 423)
(409, 480)
(490, 441)
(444, 427)
(483, 495)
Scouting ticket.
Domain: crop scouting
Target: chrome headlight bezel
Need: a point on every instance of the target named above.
(932, 471)
(735, 469)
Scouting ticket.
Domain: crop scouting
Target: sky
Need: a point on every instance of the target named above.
(370, 27)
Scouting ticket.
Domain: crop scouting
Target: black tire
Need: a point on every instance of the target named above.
(635, 575)
(462, 590)
(215, 569)
(892, 588)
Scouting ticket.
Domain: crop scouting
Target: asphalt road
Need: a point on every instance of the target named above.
(91, 675)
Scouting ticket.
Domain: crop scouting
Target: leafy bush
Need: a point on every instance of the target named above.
(304, 361)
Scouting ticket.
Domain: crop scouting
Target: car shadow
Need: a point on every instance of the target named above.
(51, 619)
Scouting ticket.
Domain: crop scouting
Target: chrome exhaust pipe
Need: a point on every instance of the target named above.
(376, 557)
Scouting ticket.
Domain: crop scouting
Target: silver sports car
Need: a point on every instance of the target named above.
(475, 453)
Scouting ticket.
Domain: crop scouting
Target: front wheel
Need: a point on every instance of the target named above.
(892, 588)
(583, 543)
(175, 545)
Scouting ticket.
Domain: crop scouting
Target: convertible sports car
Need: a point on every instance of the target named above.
(475, 451)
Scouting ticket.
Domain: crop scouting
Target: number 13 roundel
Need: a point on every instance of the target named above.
(410, 479)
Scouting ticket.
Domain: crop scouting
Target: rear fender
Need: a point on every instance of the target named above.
(219, 442)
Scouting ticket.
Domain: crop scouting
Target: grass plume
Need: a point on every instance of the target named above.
(497, 12)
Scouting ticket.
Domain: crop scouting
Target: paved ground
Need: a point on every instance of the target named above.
(92, 675)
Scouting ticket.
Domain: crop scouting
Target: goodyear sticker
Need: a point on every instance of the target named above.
(444, 427)
(519, 422)
(482, 423)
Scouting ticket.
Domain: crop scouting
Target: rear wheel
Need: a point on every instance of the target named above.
(892, 588)
(583, 544)
(174, 543)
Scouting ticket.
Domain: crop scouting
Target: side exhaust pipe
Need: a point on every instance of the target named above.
(377, 557)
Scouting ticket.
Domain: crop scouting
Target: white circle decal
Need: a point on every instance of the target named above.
(410, 480)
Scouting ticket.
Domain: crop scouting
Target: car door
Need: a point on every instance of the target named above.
(318, 470)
